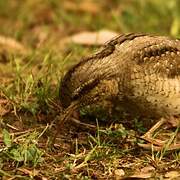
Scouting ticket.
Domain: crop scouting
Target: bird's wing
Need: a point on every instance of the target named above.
(161, 55)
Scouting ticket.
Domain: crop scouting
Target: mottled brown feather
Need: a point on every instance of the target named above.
(144, 69)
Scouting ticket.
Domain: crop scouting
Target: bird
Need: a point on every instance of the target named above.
(137, 71)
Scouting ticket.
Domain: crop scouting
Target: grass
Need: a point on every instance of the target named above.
(29, 102)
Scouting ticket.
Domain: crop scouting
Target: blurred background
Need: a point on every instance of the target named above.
(34, 22)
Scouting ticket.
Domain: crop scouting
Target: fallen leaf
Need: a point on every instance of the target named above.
(92, 38)
(84, 6)
(10, 44)
(89, 6)
(172, 174)
(141, 175)
(119, 173)
(147, 169)
(40, 34)
(44, 178)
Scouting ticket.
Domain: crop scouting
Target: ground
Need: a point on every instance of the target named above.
(33, 59)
